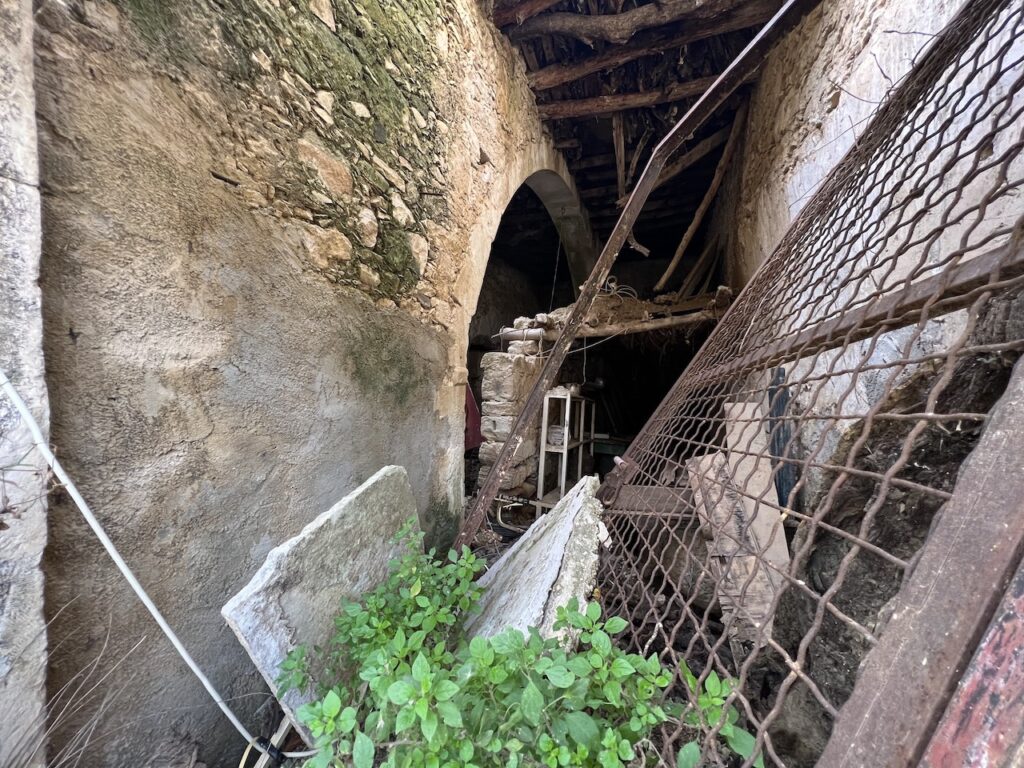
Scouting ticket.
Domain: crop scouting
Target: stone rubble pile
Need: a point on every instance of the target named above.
(507, 380)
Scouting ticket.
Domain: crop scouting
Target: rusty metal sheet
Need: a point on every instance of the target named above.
(984, 723)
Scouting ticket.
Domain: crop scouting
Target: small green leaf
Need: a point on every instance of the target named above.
(421, 707)
(449, 714)
(347, 719)
(689, 755)
(560, 677)
(420, 668)
(615, 624)
(406, 717)
(429, 725)
(582, 729)
(362, 751)
(477, 646)
(742, 743)
(415, 588)
(532, 704)
(323, 758)
(622, 668)
(508, 642)
(593, 611)
(332, 705)
(445, 689)
(601, 642)
(613, 692)
(713, 684)
(400, 692)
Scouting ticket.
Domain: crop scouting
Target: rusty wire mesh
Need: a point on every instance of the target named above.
(764, 519)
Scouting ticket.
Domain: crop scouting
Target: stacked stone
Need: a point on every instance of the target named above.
(507, 380)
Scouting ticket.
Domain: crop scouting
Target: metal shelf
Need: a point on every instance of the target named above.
(570, 413)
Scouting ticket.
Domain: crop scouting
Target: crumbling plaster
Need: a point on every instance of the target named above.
(266, 227)
(22, 471)
(815, 95)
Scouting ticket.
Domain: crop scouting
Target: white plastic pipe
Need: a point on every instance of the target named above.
(69, 486)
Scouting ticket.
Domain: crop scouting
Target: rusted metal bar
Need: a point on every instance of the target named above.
(984, 723)
(745, 65)
(899, 308)
(943, 609)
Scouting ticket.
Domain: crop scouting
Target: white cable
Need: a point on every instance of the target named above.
(97, 528)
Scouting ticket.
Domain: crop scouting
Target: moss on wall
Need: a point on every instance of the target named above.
(378, 58)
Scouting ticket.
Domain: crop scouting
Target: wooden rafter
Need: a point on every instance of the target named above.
(700, 150)
(520, 12)
(611, 103)
(619, 27)
(705, 204)
(652, 43)
(619, 142)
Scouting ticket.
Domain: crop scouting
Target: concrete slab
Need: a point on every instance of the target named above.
(293, 598)
(554, 561)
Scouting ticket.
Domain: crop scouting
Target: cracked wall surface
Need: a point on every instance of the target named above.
(23, 475)
(266, 225)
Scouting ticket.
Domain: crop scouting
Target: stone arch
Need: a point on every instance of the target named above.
(543, 169)
(563, 205)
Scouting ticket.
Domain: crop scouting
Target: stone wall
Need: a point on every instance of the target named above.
(266, 226)
(22, 472)
(507, 380)
(815, 95)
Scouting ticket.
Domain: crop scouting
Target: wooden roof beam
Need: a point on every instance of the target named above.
(520, 12)
(741, 17)
(619, 27)
(699, 150)
(617, 102)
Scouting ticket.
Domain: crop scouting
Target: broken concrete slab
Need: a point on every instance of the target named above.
(293, 598)
(554, 561)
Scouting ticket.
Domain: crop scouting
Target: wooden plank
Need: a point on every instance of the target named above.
(984, 723)
(655, 500)
(972, 551)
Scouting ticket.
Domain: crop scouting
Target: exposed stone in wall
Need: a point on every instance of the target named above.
(507, 381)
(23, 476)
(267, 223)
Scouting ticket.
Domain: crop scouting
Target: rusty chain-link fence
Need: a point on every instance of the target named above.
(764, 522)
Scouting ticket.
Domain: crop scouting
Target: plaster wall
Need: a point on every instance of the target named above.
(266, 227)
(22, 472)
(816, 94)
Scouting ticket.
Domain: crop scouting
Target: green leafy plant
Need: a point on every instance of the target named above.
(399, 684)
(710, 710)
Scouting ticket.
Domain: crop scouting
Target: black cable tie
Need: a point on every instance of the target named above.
(272, 752)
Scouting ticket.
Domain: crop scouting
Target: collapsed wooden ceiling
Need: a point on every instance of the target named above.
(611, 77)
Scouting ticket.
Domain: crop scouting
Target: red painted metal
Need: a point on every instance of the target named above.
(984, 723)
